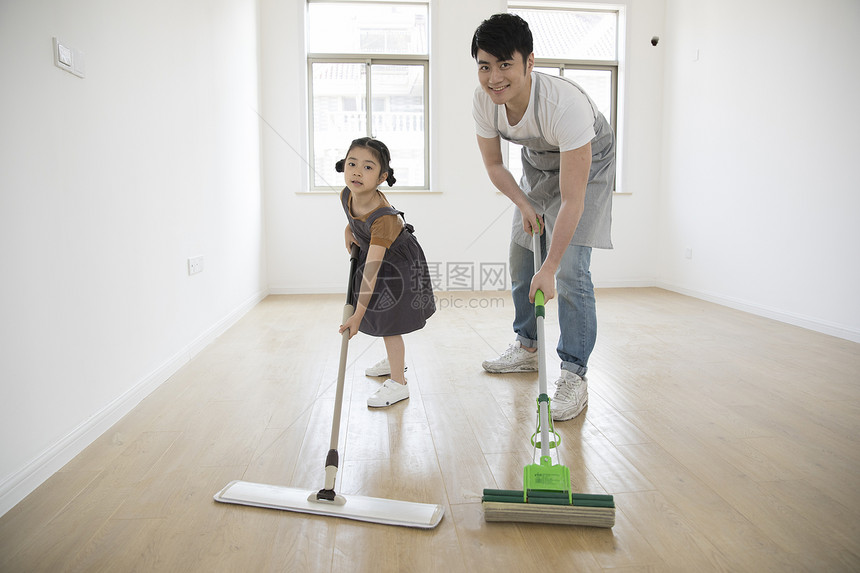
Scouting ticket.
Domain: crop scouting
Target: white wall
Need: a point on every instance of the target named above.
(760, 148)
(463, 218)
(107, 185)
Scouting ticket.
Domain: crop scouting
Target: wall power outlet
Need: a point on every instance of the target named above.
(195, 265)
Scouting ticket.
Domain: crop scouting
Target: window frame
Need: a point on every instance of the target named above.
(609, 66)
(614, 67)
(369, 60)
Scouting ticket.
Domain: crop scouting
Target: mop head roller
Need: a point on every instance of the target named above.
(550, 507)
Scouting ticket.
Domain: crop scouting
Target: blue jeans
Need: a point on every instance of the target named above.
(577, 314)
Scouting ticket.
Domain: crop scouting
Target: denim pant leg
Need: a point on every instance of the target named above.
(522, 271)
(577, 312)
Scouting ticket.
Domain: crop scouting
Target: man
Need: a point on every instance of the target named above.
(565, 193)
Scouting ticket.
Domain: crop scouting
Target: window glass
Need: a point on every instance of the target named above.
(339, 114)
(579, 45)
(398, 118)
(572, 35)
(369, 77)
(367, 28)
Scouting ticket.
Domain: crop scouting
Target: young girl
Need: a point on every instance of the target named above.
(392, 285)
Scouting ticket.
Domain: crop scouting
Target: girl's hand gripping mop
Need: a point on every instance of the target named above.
(546, 495)
(326, 501)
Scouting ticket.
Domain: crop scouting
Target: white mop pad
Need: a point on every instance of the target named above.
(372, 509)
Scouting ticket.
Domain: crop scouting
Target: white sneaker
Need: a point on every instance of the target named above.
(571, 396)
(381, 368)
(389, 393)
(514, 359)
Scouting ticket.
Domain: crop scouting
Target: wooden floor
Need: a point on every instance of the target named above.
(730, 442)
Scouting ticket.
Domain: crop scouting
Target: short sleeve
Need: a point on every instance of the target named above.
(567, 115)
(384, 230)
(483, 113)
(577, 128)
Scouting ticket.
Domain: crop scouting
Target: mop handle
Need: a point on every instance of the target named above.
(348, 311)
(341, 375)
(543, 405)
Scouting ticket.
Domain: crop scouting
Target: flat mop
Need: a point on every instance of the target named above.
(326, 501)
(546, 496)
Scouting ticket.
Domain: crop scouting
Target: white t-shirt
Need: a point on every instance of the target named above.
(566, 115)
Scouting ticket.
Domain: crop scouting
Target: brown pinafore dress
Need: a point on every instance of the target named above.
(402, 299)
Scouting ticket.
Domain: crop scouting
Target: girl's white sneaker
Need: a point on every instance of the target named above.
(381, 368)
(389, 393)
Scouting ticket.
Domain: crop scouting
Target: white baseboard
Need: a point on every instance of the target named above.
(323, 289)
(838, 330)
(642, 283)
(21, 483)
(340, 289)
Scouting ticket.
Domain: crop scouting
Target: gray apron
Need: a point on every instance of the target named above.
(402, 300)
(540, 180)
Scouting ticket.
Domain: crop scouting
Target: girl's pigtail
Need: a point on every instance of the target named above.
(390, 180)
(339, 166)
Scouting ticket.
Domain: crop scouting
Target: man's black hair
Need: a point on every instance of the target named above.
(501, 35)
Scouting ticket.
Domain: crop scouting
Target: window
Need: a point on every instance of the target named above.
(368, 76)
(578, 44)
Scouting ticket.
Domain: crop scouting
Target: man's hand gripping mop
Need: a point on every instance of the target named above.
(326, 501)
(546, 496)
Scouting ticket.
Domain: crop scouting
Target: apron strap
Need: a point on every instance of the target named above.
(537, 99)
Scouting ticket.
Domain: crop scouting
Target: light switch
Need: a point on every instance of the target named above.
(64, 54)
(69, 58)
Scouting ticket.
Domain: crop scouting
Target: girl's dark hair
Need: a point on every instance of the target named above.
(501, 35)
(379, 151)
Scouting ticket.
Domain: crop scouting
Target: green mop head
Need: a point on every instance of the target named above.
(546, 496)
(552, 507)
